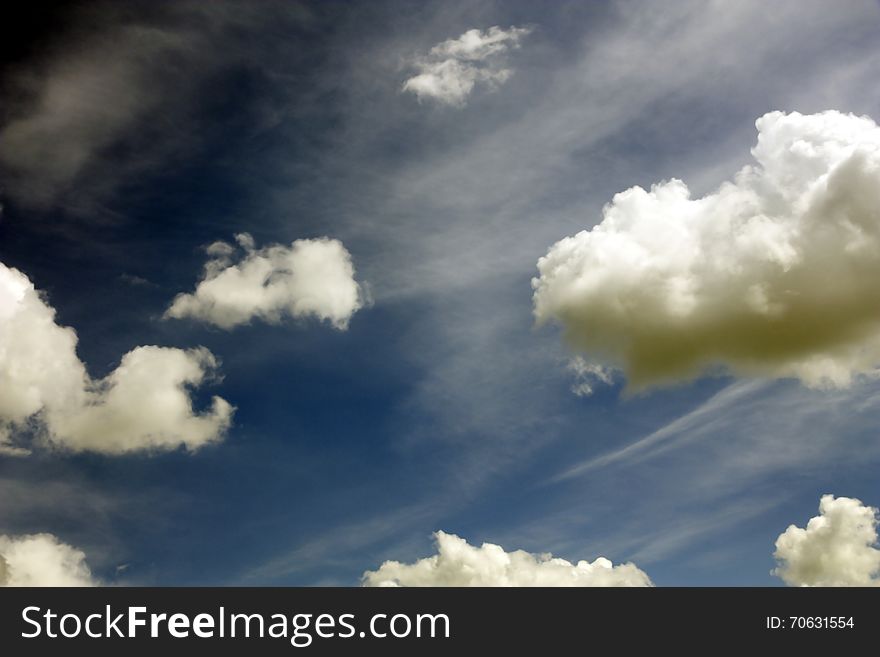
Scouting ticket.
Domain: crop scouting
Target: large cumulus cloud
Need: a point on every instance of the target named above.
(775, 274)
(144, 404)
(42, 560)
(458, 563)
(313, 277)
(837, 548)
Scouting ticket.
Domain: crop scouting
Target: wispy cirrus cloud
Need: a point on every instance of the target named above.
(117, 97)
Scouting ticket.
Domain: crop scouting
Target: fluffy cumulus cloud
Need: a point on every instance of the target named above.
(45, 391)
(838, 547)
(451, 70)
(776, 273)
(458, 563)
(42, 560)
(312, 277)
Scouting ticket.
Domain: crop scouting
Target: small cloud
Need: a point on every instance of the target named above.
(136, 281)
(587, 375)
(451, 70)
(837, 548)
(458, 563)
(312, 277)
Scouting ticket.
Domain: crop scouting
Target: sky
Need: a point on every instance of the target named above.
(330, 293)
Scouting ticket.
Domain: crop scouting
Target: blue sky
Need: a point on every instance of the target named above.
(442, 406)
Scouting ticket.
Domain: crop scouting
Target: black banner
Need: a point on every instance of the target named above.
(277, 621)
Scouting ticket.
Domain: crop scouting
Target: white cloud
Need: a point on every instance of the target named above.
(775, 274)
(838, 547)
(588, 375)
(144, 404)
(312, 277)
(452, 68)
(42, 560)
(459, 564)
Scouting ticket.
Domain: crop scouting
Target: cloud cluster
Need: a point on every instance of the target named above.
(459, 564)
(144, 404)
(774, 274)
(312, 277)
(838, 547)
(454, 67)
(42, 560)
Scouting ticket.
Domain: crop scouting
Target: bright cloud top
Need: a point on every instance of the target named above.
(775, 274)
(454, 67)
(838, 547)
(144, 404)
(42, 560)
(309, 278)
(459, 564)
